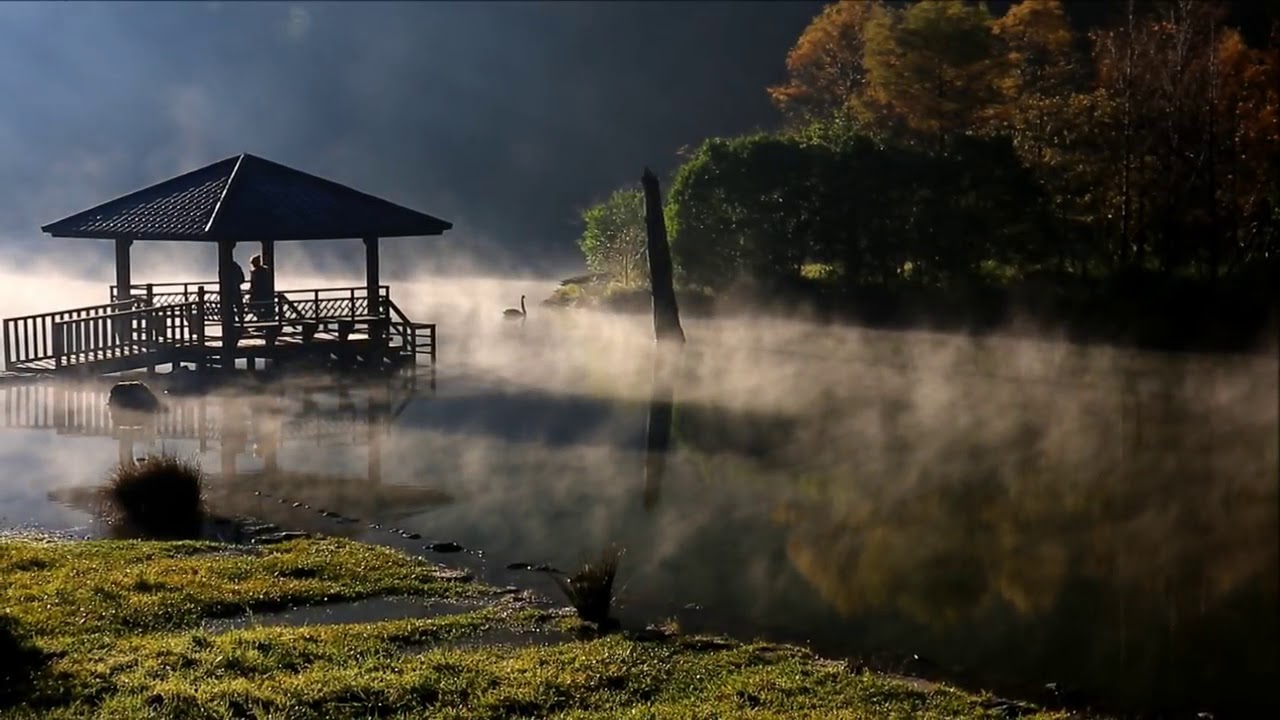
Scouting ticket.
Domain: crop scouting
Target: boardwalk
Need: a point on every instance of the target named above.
(182, 323)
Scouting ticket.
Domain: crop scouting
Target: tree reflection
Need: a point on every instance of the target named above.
(1145, 578)
(666, 366)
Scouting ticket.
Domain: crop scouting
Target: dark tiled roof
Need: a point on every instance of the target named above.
(247, 198)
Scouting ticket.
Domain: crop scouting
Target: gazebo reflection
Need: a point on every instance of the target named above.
(276, 453)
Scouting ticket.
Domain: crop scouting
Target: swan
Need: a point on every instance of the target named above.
(513, 314)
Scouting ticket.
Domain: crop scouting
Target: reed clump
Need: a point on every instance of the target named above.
(590, 589)
(159, 496)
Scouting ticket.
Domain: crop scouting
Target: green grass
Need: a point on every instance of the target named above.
(819, 271)
(73, 589)
(119, 624)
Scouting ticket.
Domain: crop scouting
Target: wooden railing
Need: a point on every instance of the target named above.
(335, 303)
(127, 332)
(171, 315)
(348, 303)
(31, 338)
(419, 338)
(168, 293)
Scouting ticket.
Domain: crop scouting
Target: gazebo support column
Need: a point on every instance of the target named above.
(124, 282)
(377, 331)
(269, 259)
(226, 305)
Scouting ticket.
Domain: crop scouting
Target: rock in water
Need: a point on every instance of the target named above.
(133, 396)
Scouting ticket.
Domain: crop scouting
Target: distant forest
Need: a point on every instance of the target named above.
(952, 163)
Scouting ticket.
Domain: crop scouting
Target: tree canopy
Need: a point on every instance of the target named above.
(930, 143)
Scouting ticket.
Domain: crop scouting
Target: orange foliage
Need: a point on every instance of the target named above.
(825, 68)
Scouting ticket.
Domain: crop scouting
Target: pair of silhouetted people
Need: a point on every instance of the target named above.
(261, 292)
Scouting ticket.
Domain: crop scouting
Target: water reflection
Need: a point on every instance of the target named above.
(241, 438)
(1110, 526)
(661, 415)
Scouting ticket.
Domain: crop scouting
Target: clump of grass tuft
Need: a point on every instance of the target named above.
(20, 662)
(590, 589)
(160, 496)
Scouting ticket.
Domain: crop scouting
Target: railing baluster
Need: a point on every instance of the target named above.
(58, 330)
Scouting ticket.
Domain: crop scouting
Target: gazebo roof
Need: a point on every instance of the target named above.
(246, 198)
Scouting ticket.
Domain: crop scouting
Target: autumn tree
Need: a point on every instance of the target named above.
(1041, 78)
(825, 72)
(936, 65)
(1178, 140)
(1115, 138)
(1245, 132)
(613, 236)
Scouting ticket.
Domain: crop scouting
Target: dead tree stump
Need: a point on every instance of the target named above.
(666, 315)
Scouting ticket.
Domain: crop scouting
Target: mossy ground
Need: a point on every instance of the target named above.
(119, 625)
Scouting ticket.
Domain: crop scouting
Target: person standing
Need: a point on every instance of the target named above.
(261, 290)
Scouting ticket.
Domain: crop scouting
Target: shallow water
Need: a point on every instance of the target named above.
(1015, 512)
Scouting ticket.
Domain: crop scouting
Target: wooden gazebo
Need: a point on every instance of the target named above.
(240, 199)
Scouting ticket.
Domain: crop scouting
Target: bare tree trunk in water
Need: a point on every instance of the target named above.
(666, 315)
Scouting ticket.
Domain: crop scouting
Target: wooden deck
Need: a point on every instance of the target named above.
(182, 323)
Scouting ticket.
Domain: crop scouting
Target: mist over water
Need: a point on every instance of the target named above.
(1015, 511)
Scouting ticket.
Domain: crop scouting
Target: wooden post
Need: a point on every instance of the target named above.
(59, 346)
(123, 280)
(150, 324)
(269, 259)
(666, 315)
(124, 288)
(371, 270)
(199, 328)
(228, 291)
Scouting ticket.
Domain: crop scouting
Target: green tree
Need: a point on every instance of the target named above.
(743, 208)
(613, 237)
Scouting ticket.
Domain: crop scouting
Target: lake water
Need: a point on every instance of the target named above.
(1015, 512)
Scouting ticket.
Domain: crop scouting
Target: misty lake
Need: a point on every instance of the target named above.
(1013, 512)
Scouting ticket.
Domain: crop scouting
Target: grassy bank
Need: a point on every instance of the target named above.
(114, 629)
